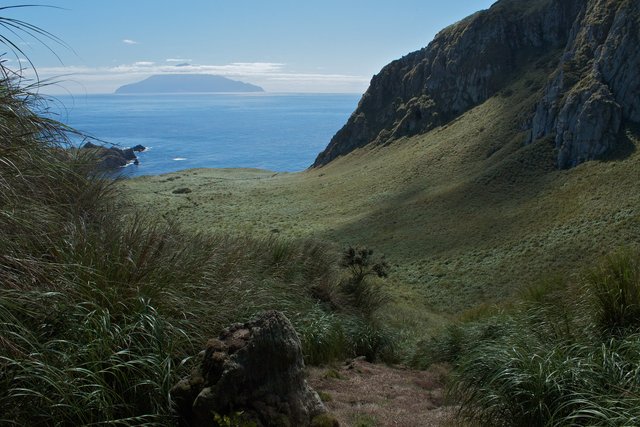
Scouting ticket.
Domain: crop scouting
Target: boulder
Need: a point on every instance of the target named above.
(256, 369)
(113, 157)
(138, 148)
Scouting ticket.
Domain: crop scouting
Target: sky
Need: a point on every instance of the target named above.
(328, 46)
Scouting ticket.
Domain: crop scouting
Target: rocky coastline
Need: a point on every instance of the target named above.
(110, 158)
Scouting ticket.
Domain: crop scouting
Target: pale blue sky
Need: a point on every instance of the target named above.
(282, 45)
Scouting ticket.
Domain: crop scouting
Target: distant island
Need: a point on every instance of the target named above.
(187, 83)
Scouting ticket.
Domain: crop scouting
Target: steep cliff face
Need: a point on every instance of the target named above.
(596, 87)
(472, 60)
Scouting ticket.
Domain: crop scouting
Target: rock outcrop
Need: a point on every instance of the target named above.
(594, 89)
(255, 368)
(113, 157)
(597, 84)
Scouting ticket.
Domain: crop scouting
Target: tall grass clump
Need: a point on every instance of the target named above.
(343, 322)
(566, 354)
(102, 307)
(616, 290)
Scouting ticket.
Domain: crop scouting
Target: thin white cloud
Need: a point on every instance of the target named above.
(179, 60)
(273, 77)
(129, 41)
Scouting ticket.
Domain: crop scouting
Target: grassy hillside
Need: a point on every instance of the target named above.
(465, 213)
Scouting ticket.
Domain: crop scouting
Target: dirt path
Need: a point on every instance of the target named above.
(362, 394)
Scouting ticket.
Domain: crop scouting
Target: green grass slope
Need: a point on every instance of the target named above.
(465, 213)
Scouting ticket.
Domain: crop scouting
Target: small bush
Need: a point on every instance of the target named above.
(359, 288)
(327, 336)
(361, 263)
(182, 190)
(457, 339)
(616, 290)
(322, 336)
(526, 382)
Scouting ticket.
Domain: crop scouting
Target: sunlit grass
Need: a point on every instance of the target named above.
(559, 357)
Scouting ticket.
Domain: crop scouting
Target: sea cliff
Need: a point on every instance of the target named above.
(592, 46)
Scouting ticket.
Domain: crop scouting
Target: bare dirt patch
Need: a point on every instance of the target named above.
(362, 394)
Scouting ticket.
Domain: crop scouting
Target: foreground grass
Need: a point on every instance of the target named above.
(567, 354)
(101, 310)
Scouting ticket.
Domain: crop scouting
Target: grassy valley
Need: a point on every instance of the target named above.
(466, 214)
(512, 283)
(491, 250)
(103, 309)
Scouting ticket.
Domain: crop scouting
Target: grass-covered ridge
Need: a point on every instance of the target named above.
(101, 307)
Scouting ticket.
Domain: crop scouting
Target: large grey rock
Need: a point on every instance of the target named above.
(109, 158)
(255, 368)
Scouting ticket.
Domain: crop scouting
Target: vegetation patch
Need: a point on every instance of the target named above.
(182, 190)
(565, 355)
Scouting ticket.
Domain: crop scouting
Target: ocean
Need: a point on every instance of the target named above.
(279, 132)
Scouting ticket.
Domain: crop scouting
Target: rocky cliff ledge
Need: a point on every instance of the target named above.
(596, 87)
(592, 91)
(109, 158)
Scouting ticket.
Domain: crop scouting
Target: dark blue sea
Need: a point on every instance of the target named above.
(279, 132)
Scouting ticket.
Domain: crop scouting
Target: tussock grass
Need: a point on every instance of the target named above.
(568, 354)
(616, 289)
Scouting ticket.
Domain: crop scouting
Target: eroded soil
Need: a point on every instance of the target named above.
(362, 394)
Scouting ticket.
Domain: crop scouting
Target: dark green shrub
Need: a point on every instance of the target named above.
(361, 263)
(369, 339)
(360, 287)
(182, 190)
(615, 286)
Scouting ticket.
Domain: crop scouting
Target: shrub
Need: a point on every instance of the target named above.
(615, 286)
(362, 292)
(526, 382)
(361, 263)
(369, 339)
(182, 190)
(322, 336)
